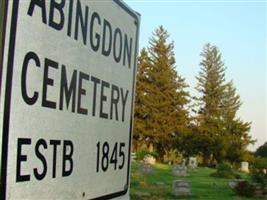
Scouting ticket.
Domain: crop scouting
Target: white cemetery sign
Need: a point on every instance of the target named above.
(68, 75)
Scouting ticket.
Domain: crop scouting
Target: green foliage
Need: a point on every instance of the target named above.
(258, 163)
(161, 107)
(259, 177)
(211, 85)
(224, 170)
(262, 150)
(172, 156)
(224, 167)
(223, 136)
(141, 123)
(244, 188)
(160, 113)
(141, 154)
(258, 168)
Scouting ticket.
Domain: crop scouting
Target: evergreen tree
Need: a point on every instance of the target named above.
(236, 131)
(230, 102)
(141, 119)
(211, 82)
(211, 86)
(221, 133)
(262, 150)
(167, 97)
(160, 95)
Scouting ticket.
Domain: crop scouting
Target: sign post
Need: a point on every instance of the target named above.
(67, 95)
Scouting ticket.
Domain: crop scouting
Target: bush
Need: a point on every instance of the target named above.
(172, 156)
(262, 150)
(258, 177)
(141, 154)
(224, 167)
(259, 164)
(238, 176)
(224, 170)
(244, 188)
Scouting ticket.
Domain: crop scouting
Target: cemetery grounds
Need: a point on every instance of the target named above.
(158, 184)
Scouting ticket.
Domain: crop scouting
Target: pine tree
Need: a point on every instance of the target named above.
(211, 82)
(211, 86)
(163, 95)
(230, 102)
(236, 131)
(221, 133)
(167, 96)
(141, 119)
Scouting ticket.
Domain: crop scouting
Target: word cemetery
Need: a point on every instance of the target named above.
(67, 91)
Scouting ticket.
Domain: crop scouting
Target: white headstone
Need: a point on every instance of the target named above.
(244, 167)
(192, 162)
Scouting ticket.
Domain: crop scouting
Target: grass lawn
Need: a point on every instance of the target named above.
(203, 185)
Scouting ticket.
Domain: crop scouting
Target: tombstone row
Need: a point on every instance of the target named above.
(179, 187)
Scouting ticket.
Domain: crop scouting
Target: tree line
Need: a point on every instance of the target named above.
(168, 118)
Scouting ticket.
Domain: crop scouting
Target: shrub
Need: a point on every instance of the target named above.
(258, 177)
(224, 167)
(172, 156)
(224, 170)
(244, 188)
(238, 176)
(259, 163)
(141, 154)
(258, 170)
(262, 150)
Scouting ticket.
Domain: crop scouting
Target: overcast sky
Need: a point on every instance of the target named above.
(238, 28)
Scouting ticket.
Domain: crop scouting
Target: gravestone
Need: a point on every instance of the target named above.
(160, 184)
(232, 184)
(244, 167)
(145, 168)
(181, 188)
(133, 156)
(142, 195)
(184, 162)
(192, 162)
(258, 190)
(179, 170)
(149, 159)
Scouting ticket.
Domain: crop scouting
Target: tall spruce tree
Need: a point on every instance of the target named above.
(211, 86)
(168, 97)
(164, 96)
(221, 134)
(141, 115)
(236, 131)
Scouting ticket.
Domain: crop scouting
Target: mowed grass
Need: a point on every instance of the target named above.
(158, 185)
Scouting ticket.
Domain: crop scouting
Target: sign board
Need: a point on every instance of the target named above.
(68, 76)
